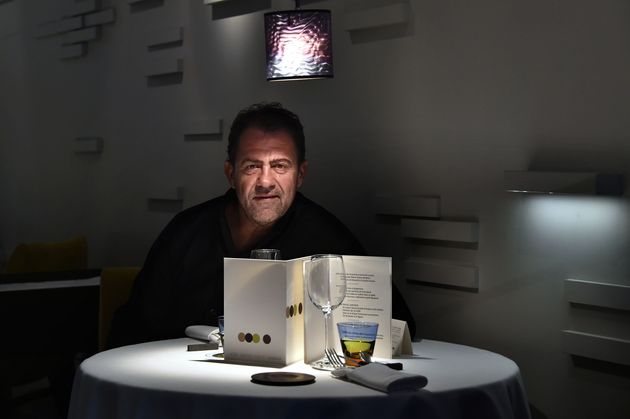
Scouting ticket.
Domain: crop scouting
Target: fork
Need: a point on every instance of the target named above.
(333, 358)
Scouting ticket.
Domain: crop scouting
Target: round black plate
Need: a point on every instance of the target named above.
(283, 378)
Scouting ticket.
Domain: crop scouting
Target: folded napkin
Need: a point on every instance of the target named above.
(382, 378)
(202, 332)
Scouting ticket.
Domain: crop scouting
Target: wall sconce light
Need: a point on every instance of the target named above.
(298, 44)
(577, 183)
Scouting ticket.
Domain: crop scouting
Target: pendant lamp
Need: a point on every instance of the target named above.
(298, 44)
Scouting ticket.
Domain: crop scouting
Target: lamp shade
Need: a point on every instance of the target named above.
(298, 44)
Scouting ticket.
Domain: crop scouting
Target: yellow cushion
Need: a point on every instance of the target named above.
(116, 284)
(68, 255)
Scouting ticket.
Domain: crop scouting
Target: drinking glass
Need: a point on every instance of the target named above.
(273, 254)
(220, 320)
(325, 277)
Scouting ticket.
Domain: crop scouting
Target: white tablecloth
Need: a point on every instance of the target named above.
(163, 380)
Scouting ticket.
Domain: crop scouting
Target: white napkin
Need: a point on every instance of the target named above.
(202, 332)
(382, 378)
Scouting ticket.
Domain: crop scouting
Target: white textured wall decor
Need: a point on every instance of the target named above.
(81, 23)
(457, 231)
(88, 145)
(597, 294)
(163, 68)
(603, 348)
(419, 217)
(166, 200)
(158, 66)
(593, 297)
(173, 36)
(209, 129)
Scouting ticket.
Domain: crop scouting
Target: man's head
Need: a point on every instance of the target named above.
(268, 117)
(265, 162)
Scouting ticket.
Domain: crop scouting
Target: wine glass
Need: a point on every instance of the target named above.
(273, 254)
(325, 277)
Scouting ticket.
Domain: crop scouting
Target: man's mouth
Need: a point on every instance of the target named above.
(265, 197)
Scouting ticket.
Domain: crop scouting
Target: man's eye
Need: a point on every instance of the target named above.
(250, 168)
(283, 167)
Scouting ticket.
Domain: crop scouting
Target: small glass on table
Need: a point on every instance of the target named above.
(220, 320)
(357, 341)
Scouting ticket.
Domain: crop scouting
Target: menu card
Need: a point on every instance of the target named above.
(269, 319)
(368, 298)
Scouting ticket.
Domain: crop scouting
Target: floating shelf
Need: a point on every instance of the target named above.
(603, 348)
(81, 35)
(442, 272)
(389, 15)
(100, 18)
(579, 183)
(410, 206)
(59, 26)
(88, 145)
(457, 231)
(165, 37)
(73, 8)
(597, 294)
(176, 194)
(162, 66)
(203, 130)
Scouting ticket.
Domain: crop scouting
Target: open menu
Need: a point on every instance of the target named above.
(368, 298)
(269, 319)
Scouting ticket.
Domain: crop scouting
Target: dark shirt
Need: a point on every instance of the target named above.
(181, 282)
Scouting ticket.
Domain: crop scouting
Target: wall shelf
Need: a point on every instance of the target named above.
(578, 183)
(88, 145)
(597, 294)
(457, 231)
(598, 347)
(210, 129)
(74, 8)
(81, 35)
(162, 66)
(165, 37)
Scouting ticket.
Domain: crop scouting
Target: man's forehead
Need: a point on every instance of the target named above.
(256, 144)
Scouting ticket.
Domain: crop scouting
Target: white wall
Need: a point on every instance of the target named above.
(471, 89)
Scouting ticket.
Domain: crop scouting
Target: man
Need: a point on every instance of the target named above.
(181, 282)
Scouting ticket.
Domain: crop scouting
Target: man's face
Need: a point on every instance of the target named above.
(265, 175)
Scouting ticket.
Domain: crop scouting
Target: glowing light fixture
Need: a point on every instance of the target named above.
(574, 183)
(298, 44)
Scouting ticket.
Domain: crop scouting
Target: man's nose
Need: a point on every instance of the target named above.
(265, 179)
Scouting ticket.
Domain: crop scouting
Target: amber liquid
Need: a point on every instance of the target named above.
(352, 349)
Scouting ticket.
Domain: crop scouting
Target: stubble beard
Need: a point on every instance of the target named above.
(265, 213)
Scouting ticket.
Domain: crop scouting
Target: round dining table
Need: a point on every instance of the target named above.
(163, 379)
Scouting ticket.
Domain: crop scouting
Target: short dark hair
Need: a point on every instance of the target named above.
(269, 117)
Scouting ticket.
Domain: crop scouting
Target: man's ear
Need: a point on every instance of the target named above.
(228, 169)
(302, 173)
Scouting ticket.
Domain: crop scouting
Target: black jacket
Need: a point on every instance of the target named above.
(181, 282)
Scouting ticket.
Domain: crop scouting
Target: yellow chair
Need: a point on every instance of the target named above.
(116, 284)
(69, 255)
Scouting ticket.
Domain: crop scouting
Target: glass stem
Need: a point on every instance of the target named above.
(326, 337)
